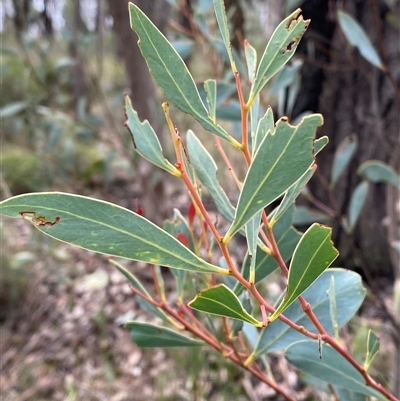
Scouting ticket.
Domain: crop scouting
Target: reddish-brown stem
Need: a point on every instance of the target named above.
(227, 161)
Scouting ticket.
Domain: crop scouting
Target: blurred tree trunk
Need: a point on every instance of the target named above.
(355, 98)
(140, 82)
(142, 91)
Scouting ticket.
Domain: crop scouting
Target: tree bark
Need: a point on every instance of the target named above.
(142, 88)
(354, 98)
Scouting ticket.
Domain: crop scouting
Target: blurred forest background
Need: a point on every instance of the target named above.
(65, 66)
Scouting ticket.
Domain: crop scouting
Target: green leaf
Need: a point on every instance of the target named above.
(377, 172)
(357, 37)
(12, 109)
(254, 118)
(320, 143)
(265, 124)
(145, 140)
(313, 254)
(210, 86)
(280, 49)
(357, 202)
(332, 307)
(283, 156)
(251, 60)
(146, 335)
(222, 21)
(372, 349)
(304, 216)
(251, 229)
(222, 301)
(170, 72)
(286, 238)
(292, 193)
(343, 155)
(333, 368)
(135, 283)
(350, 294)
(206, 170)
(106, 228)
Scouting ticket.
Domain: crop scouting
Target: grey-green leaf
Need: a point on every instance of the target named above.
(206, 170)
(357, 37)
(357, 202)
(343, 155)
(292, 193)
(280, 49)
(145, 139)
(106, 228)
(320, 143)
(283, 156)
(350, 294)
(372, 348)
(146, 335)
(314, 253)
(377, 171)
(170, 72)
(222, 21)
(210, 86)
(220, 300)
(265, 124)
(332, 368)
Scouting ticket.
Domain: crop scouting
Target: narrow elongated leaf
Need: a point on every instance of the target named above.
(280, 49)
(304, 216)
(357, 202)
(104, 228)
(265, 124)
(292, 193)
(377, 171)
(210, 87)
(251, 60)
(372, 349)
(146, 335)
(252, 228)
(357, 37)
(135, 283)
(206, 170)
(333, 368)
(254, 118)
(12, 109)
(283, 156)
(286, 238)
(222, 301)
(222, 21)
(343, 155)
(170, 72)
(145, 140)
(332, 306)
(350, 294)
(313, 254)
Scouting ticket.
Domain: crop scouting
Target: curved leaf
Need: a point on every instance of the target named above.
(357, 202)
(146, 335)
(357, 37)
(222, 301)
(343, 155)
(377, 171)
(206, 170)
(145, 139)
(332, 368)
(350, 294)
(313, 254)
(280, 49)
(283, 156)
(320, 143)
(222, 21)
(170, 72)
(105, 228)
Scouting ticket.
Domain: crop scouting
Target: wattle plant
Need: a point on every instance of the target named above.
(280, 160)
